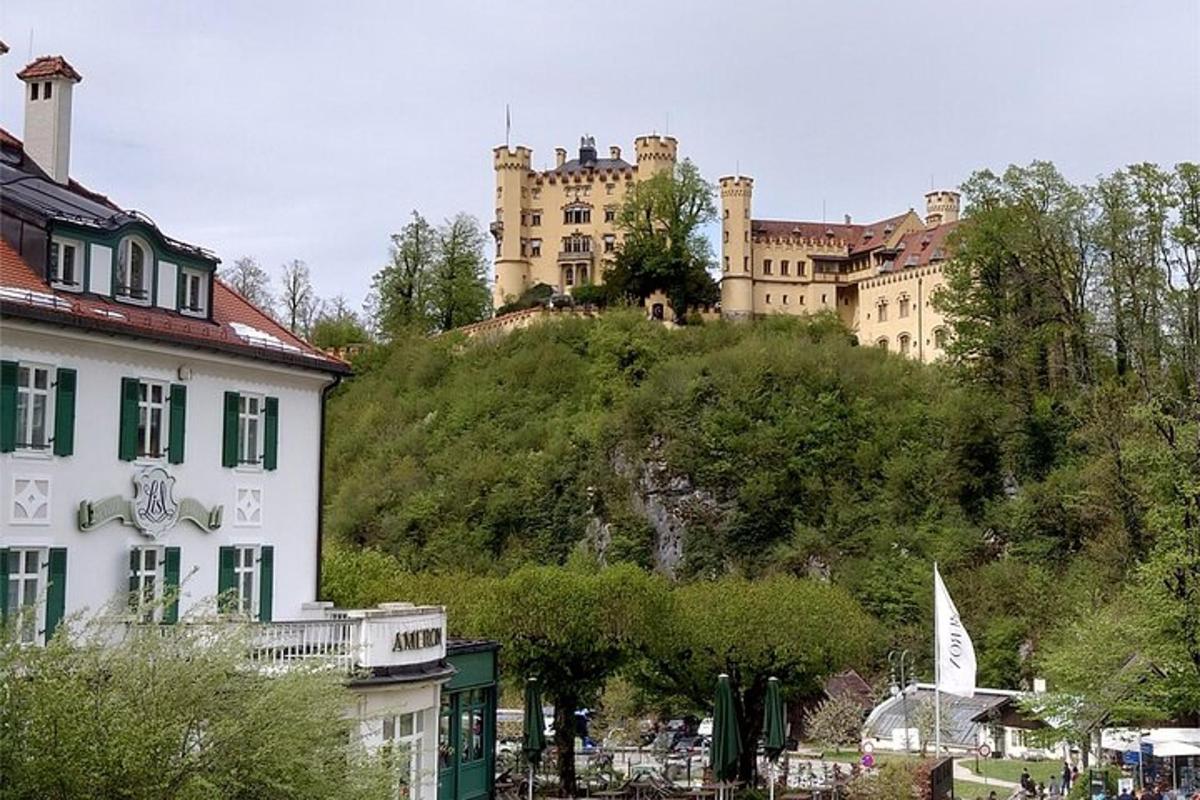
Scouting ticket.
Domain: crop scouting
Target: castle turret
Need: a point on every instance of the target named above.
(512, 267)
(941, 207)
(655, 153)
(737, 277)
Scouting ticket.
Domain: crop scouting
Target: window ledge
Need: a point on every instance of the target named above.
(77, 288)
(131, 300)
(33, 454)
(197, 313)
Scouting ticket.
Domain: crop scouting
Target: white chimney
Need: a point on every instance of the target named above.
(560, 156)
(48, 85)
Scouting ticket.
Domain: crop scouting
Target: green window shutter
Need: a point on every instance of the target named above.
(178, 423)
(8, 409)
(229, 431)
(170, 613)
(64, 412)
(271, 434)
(225, 578)
(134, 557)
(3, 582)
(56, 592)
(127, 449)
(266, 582)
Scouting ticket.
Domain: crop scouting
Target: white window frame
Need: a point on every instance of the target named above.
(409, 746)
(148, 406)
(247, 447)
(58, 245)
(535, 248)
(187, 277)
(149, 608)
(241, 570)
(25, 416)
(33, 624)
(124, 265)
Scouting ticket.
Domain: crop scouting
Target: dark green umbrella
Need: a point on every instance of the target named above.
(533, 738)
(773, 742)
(726, 740)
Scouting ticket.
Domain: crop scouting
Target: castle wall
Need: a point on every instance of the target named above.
(910, 291)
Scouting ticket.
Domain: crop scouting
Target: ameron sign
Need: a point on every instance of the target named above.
(416, 640)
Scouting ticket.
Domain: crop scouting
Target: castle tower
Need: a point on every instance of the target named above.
(654, 153)
(48, 85)
(512, 266)
(737, 277)
(941, 206)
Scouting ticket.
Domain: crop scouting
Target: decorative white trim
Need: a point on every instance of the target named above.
(248, 506)
(30, 500)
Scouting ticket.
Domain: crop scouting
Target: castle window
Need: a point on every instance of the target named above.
(610, 243)
(608, 187)
(881, 314)
(727, 213)
(768, 298)
(903, 307)
(577, 244)
(785, 299)
(882, 343)
(133, 270)
(535, 248)
(784, 269)
(905, 342)
(745, 263)
(939, 338)
(766, 266)
(801, 299)
(799, 267)
(747, 237)
(577, 215)
(726, 237)
(727, 263)
(824, 301)
(535, 218)
(536, 193)
(569, 275)
(610, 214)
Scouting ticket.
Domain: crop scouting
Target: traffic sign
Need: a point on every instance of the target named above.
(984, 751)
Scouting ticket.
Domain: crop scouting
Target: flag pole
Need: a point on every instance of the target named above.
(937, 673)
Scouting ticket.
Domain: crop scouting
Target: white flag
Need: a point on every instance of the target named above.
(955, 653)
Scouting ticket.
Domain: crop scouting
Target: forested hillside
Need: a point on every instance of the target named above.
(1050, 467)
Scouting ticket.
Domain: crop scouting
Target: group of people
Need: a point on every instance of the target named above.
(1160, 792)
(1054, 787)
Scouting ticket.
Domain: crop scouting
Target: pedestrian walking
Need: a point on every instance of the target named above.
(1066, 784)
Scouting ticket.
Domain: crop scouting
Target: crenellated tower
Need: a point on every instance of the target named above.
(654, 154)
(941, 207)
(512, 167)
(737, 277)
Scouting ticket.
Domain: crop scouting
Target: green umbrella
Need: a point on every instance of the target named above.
(726, 740)
(533, 738)
(773, 727)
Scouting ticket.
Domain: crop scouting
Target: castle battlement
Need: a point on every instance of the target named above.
(519, 157)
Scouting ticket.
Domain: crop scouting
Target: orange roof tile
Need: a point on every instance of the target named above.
(49, 67)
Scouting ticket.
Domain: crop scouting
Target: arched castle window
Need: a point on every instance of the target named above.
(882, 343)
(881, 306)
(904, 304)
(905, 343)
(940, 338)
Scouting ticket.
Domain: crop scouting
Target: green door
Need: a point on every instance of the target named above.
(475, 738)
(448, 747)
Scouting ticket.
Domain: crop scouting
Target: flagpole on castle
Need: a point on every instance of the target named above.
(937, 674)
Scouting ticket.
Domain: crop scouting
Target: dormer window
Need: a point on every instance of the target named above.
(133, 270)
(66, 264)
(193, 299)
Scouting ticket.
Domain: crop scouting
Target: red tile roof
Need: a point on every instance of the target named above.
(24, 294)
(923, 247)
(49, 67)
(853, 234)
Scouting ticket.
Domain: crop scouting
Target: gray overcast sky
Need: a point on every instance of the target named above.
(311, 129)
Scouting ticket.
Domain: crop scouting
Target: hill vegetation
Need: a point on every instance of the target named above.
(1050, 465)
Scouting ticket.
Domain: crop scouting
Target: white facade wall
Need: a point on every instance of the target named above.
(98, 560)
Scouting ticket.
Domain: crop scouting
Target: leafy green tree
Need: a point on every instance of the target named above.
(573, 629)
(400, 288)
(895, 780)
(182, 713)
(457, 286)
(836, 722)
(338, 326)
(664, 246)
(799, 631)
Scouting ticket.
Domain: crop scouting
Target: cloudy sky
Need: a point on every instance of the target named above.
(311, 129)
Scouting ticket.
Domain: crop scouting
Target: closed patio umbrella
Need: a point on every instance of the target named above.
(726, 740)
(773, 742)
(533, 736)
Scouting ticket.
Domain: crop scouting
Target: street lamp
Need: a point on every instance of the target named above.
(901, 666)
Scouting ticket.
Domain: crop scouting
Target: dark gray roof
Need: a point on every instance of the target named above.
(575, 165)
(23, 185)
(958, 727)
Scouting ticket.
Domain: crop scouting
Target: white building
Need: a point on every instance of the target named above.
(159, 433)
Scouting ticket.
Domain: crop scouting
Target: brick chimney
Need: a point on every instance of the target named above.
(49, 82)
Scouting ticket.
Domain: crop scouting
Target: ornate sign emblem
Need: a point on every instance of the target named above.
(153, 509)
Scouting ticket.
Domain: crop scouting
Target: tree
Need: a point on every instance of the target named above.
(180, 712)
(251, 281)
(401, 288)
(895, 780)
(298, 303)
(337, 326)
(837, 722)
(664, 246)
(457, 288)
(798, 631)
(573, 629)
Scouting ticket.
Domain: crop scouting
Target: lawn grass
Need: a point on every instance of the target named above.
(1010, 769)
